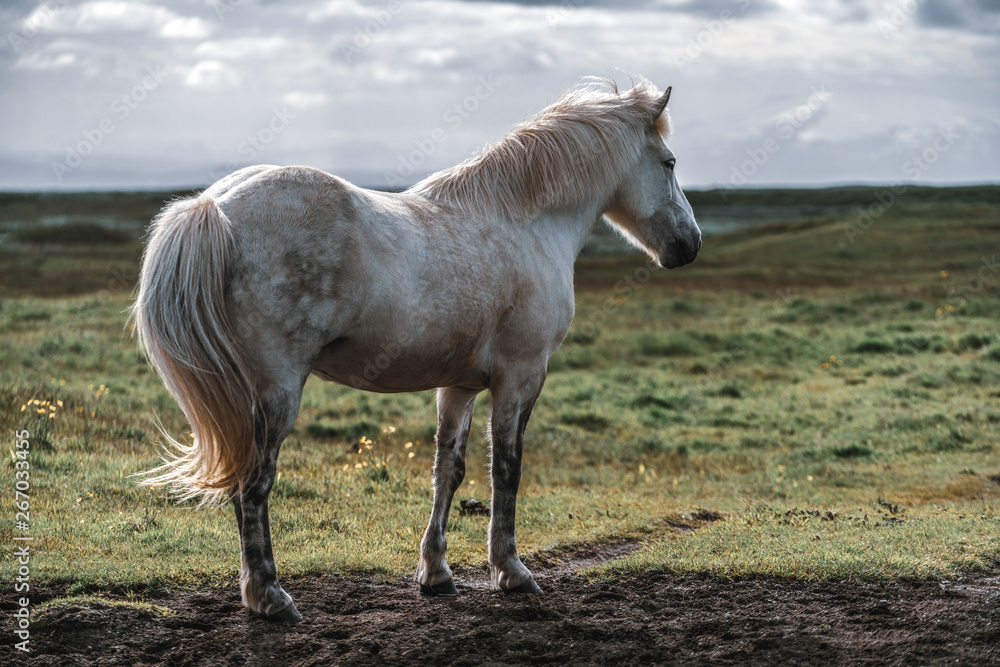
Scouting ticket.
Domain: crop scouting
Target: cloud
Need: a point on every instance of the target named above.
(46, 60)
(186, 28)
(305, 99)
(213, 74)
(335, 10)
(273, 47)
(366, 79)
(101, 16)
(978, 15)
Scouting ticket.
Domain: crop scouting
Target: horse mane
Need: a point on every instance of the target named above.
(580, 144)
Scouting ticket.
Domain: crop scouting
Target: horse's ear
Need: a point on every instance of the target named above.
(661, 103)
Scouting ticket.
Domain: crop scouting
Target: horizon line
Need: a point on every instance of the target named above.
(824, 185)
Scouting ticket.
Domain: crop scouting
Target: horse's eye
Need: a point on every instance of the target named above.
(670, 164)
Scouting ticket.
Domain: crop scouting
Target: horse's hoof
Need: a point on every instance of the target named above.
(288, 614)
(529, 587)
(444, 589)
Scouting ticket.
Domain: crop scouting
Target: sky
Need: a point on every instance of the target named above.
(106, 94)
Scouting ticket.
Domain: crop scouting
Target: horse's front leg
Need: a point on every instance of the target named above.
(258, 575)
(512, 404)
(455, 406)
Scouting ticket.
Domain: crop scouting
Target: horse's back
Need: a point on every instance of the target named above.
(285, 195)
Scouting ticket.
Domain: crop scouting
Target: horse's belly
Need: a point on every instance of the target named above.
(388, 365)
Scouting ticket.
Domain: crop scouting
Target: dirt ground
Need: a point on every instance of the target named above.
(637, 620)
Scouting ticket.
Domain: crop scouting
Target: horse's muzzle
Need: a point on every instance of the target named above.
(681, 252)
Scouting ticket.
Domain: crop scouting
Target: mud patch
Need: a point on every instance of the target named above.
(574, 558)
(473, 506)
(687, 522)
(647, 618)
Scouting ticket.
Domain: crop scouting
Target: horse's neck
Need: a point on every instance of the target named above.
(564, 231)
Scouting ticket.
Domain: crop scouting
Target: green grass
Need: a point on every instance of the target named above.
(43, 612)
(868, 543)
(829, 404)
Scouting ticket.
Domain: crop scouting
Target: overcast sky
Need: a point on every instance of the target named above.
(168, 93)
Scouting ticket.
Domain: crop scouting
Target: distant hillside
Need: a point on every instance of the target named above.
(718, 211)
(841, 197)
(117, 207)
(90, 243)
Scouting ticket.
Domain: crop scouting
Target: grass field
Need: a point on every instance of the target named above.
(804, 400)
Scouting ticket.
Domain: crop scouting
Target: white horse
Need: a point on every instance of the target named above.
(462, 283)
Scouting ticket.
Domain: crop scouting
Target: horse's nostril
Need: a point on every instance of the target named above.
(690, 250)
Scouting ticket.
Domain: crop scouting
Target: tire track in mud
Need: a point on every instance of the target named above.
(571, 559)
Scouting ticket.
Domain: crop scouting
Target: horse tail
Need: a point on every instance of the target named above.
(183, 328)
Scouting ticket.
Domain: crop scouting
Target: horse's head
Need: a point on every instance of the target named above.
(649, 205)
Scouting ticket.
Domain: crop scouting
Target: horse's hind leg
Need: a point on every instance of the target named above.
(455, 406)
(258, 575)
